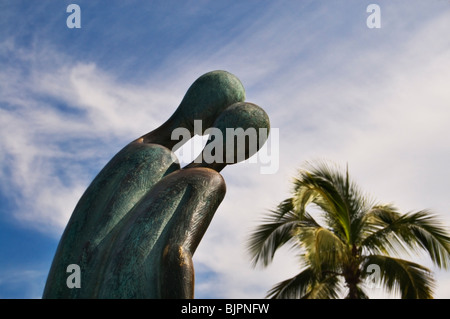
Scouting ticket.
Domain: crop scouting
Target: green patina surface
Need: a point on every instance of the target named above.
(136, 227)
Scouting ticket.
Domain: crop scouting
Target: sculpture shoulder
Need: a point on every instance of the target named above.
(135, 154)
(139, 150)
(200, 177)
(131, 172)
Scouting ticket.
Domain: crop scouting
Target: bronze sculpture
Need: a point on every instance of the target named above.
(136, 227)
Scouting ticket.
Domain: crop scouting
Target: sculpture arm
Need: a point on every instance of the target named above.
(160, 235)
(112, 194)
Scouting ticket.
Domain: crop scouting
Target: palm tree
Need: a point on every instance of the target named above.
(351, 238)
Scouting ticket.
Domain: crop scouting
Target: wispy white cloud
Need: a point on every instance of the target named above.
(59, 118)
(377, 99)
(381, 106)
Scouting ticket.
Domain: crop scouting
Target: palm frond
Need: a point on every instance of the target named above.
(295, 287)
(324, 250)
(426, 231)
(419, 230)
(306, 285)
(276, 229)
(360, 294)
(378, 228)
(412, 280)
(340, 198)
(326, 288)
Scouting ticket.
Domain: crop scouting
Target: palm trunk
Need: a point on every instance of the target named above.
(352, 275)
(353, 291)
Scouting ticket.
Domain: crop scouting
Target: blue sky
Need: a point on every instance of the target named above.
(376, 99)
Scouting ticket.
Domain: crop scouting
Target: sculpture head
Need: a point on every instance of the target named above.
(237, 134)
(207, 97)
(216, 98)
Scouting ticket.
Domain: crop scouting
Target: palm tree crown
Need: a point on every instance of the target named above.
(354, 237)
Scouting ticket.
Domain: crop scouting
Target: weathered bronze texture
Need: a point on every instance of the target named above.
(135, 229)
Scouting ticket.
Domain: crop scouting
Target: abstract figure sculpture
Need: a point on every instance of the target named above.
(135, 229)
